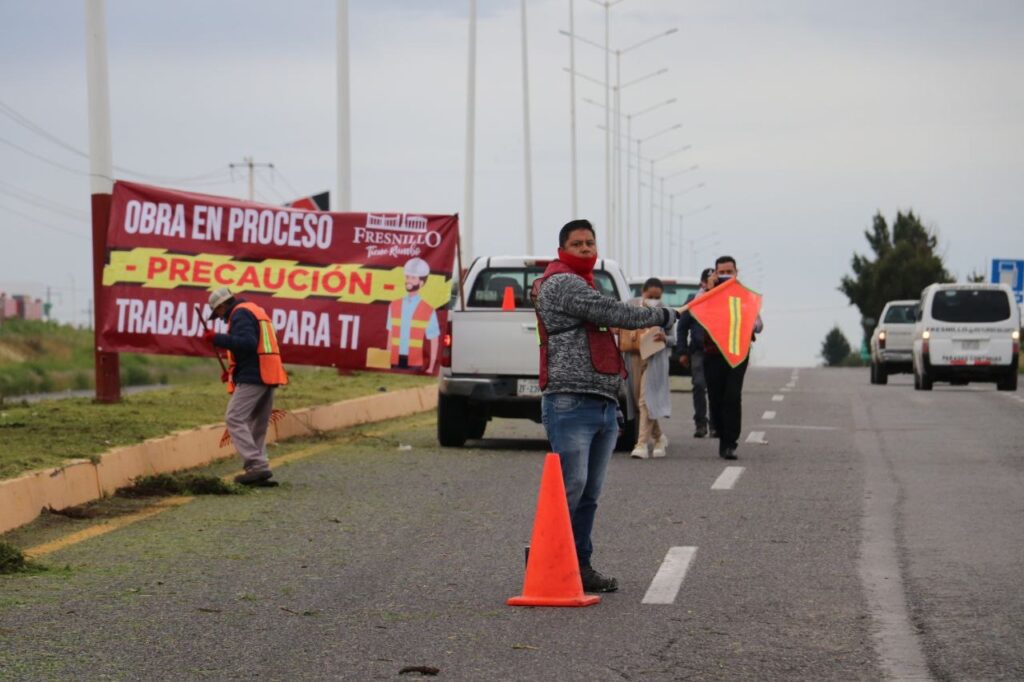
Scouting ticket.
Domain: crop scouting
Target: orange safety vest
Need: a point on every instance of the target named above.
(271, 368)
(418, 333)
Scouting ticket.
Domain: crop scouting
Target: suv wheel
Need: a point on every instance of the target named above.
(1009, 381)
(881, 375)
(451, 421)
(475, 426)
(874, 373)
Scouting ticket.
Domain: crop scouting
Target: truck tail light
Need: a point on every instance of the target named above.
(925, 336)
(1016, 341)
(881, 339)
(446, 346)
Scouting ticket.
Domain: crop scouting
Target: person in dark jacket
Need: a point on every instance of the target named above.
(580, 375)
(690, 336)
(254, 371)
(725, 383)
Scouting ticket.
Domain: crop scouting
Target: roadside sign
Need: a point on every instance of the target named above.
(1009, 272)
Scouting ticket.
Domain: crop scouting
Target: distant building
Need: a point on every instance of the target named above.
(20, 307)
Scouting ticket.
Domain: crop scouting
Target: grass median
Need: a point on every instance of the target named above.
(47, 434)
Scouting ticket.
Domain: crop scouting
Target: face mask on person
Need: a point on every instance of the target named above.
(722, 279)
(652, 302)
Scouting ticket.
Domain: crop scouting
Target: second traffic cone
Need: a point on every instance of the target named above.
(508, 302)
(552, 570)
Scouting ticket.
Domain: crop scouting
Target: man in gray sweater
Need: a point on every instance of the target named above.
(581, 371)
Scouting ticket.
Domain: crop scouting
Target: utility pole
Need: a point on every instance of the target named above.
(466, 243)
(344, 111)
(528, 161)
(251, 165)
(101, 168)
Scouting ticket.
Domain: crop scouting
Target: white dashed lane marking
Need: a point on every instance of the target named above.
(778, 398)
(756, 437)
(669, 578)
(769, 414)
(727, 479)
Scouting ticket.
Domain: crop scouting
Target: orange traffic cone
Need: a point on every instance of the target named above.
(552, 572)
(509, 300)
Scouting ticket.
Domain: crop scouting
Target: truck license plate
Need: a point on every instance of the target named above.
(527, 387)
(970, 345)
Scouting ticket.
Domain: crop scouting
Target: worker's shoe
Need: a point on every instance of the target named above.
(595, 582)
(701, 431)
(639, 452)
(254, 477)
(660, 446)
(728, 452)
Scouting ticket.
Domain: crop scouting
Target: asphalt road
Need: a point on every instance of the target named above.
(877, 532)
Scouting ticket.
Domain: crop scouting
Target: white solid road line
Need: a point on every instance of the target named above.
(756, 437)
(778, 398)
(727, 479)
(669, 578)
(768, 414)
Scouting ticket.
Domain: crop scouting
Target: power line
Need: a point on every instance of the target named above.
(43, 202)
(44, 159)
(27, 123)
(46, 225)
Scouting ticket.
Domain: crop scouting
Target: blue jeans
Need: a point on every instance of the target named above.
(582, 429)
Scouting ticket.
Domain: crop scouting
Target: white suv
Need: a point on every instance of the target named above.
(490, 351)
(967, 332)
(892, 343)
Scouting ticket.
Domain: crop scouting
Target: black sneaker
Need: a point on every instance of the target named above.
(701, 432)
(728, 453)
(595, 582)
(712, 433)
(254, 477)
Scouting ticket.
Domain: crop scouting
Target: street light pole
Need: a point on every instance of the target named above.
(528, 162)
(466, 243)
(572, 111)
(344, 112)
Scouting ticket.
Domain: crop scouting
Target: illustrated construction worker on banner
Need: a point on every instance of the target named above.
(412, 322)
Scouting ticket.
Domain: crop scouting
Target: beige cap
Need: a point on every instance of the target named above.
(217, 297)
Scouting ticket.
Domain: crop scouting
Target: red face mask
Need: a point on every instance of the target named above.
(584, 267)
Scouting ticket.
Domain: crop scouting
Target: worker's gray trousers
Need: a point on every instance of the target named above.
(247, 418)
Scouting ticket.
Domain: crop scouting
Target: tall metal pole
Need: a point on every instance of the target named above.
(661, 258)
(609, 218)
(344, 112)
(572, 109)
(526, 136)
(101, 183)
(467, 219)
(628, 241)
(650, 186)
(616, 195)
(639, 210)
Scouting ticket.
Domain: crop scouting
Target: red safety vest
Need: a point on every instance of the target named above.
(271, 368)
(604, 352)
(417, 335)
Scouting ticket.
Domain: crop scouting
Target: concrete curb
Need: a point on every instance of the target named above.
(79, 481)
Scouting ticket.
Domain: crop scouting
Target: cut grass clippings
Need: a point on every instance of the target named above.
(50, 433)
(12, 560)
(163, 485)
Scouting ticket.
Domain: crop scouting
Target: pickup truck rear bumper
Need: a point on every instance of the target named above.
(484, 388)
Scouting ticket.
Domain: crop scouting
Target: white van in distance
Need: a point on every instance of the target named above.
(967, 332)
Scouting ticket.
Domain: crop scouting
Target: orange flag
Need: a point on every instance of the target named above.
(728, 313)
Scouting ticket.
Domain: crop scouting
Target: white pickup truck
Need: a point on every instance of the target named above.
(490, 356)
(892, 342)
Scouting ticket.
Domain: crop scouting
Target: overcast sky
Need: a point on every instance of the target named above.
(805, 118)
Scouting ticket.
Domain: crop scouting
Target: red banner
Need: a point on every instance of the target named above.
(728, 313)
(351, 290)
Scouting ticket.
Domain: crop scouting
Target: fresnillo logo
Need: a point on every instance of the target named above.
(396, 230)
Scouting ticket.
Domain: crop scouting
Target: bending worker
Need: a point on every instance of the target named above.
(581, 372)
(254, 371)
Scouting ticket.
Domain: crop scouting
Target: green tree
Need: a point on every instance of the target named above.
(835, 348)
(905, 262)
